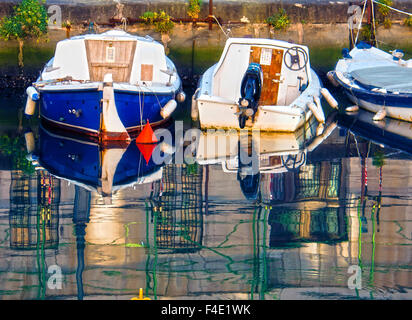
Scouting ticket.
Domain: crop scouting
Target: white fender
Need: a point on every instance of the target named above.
(329, 98)
(380, 115)
(320, 109)
(32, 93)
(353, 108)
(30, 107)
(316, 112)
(320, 129)
(332, 79)
(168, 109)
(30, 142)
(322, 137)
(194, 112)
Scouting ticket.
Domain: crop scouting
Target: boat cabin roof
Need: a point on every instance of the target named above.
(130, 59)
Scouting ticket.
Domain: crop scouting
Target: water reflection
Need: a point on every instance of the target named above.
(93, 167)
(215, 228)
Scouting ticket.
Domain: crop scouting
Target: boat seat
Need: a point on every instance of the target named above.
(391, 78)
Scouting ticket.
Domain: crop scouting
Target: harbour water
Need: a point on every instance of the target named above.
(329, 219)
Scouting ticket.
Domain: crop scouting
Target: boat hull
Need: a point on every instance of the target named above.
(270, 119)
(396, 106)
(372, 79)
(81, 110)
(218, 113)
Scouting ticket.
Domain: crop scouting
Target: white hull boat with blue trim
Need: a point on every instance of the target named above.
(261, 84)
(106, 86)
(376, 81)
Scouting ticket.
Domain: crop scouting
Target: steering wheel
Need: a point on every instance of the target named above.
(295, 54)
(292, 162)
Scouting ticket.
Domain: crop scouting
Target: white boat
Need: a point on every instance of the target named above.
(261, 84)
(376, 81)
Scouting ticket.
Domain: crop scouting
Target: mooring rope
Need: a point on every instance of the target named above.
(374, 24)
(394, 9)
(220, 26)
(360, 22)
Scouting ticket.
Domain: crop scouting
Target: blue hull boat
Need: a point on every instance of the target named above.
(376, 81)
(107, 86)
(57, 108)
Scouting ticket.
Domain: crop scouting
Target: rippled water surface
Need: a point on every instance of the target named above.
(206, 230)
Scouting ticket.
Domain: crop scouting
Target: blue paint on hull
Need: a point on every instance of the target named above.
(130, 105)
(401, 100)
(58, 107)
(81, 109)
(79, 161)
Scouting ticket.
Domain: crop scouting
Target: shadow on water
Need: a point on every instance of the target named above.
(289, 225)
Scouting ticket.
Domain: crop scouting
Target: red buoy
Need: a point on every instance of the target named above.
(146, 142)
(147, 135)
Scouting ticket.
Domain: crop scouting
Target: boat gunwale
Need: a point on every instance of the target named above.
(363, 90)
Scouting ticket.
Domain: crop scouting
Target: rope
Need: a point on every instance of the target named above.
(397, 10)
(214, 17)
(360, 22)
(124, 23)
(374, 24)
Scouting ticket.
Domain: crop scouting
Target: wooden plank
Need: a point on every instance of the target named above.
(115, 57)
(146, 73)
(110, 65)
(270, 60)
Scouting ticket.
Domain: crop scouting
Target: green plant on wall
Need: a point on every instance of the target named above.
(194, 8)
(408, 22)
(365, 32)
(383, 13)
(160, 20)
(279, 21)
(28, 21)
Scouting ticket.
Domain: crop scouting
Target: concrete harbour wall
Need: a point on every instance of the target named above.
(311, 11)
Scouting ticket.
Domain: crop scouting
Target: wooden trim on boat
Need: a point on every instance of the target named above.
(95, 136)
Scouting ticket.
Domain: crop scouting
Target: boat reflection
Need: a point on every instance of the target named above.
(255, 154)
(101, 169)
(389, 132)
